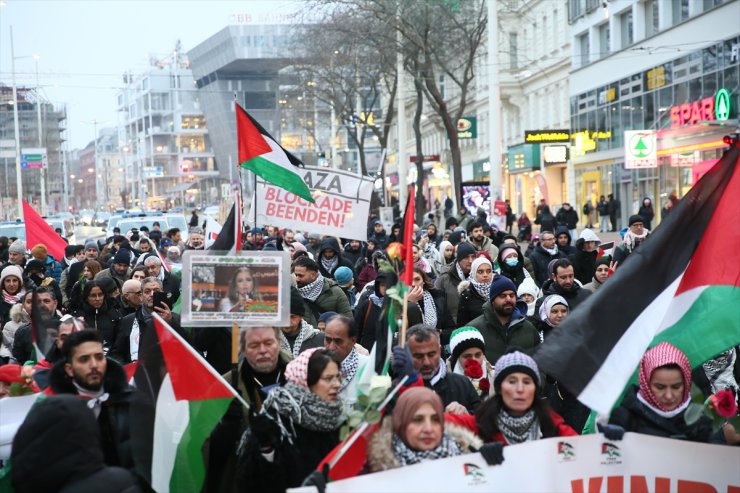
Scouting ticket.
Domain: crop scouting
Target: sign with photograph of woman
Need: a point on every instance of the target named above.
(250, 288)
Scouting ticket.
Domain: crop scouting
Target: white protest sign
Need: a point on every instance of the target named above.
(584, 464)
(342, 204)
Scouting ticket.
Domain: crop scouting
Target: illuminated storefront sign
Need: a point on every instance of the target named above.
(716, 108)
(640, 149)
(555, 154)
(467, 128)
(546, 136)
(524, 157)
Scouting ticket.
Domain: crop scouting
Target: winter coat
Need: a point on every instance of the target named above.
(593, 286)
(18, 317)
(567, 218)
(53, 268)
(469, 422)
(171, 287)
(471, 304)
(486, 246)
(121, 346)
(633, 415)
(367, 318)
(105, 319)
(380, 456)
(518, 273)
(352, 256)
(58, 449)
(445, 323)
(574, 296)
(456, 388)
(647, 214)
(366, 273)
(448, 281)
(331, 243)
(546, 221)
(331, 299)
(381, 239)
(518, 332)
(568, 249)
(114, 419)
(540, 259)
(584, 263)
(113, 274)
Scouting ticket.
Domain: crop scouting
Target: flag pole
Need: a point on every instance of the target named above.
(405, 319)
(235, 356)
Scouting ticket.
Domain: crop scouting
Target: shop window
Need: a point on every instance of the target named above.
(695, 92)
(680, 10)
(513, 49)
(709, 56)
(649, 110)
(732, 79)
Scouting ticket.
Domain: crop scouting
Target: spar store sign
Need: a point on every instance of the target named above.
(341, 209)
(715, 108)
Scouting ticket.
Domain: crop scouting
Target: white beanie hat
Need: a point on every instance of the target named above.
(528, 286)
(11, 270)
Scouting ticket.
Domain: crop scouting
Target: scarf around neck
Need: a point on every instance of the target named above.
(429, 310)
(519, 429)
(292, 404)
(311, 291)
(377, 300)
(460, 272)
(330, 263)
(349, 368)
(482, 288)
(407, 456)
(12, 299)
(304, 333)
(551, 251)
(630, 239)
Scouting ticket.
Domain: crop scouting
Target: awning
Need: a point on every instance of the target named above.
(184, 186)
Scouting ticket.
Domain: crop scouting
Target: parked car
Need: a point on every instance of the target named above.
(101, 219)
(13, 229)
(65, 225)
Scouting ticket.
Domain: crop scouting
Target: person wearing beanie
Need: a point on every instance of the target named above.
(603, 269)
(528, 292)
(584, 257)
(633, 238)
(120, 269)
(511, 263)
(457, 272)
(345, 280)
(314, 244)
(417, 432)
(562, 282)
(502, 324)
(299, 335)
(12, 290)
(474, 293)
(469, 359)
(17, 253)
(52, 268)
(517, 413)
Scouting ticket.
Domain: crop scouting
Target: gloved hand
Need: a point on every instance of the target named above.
(317, 479)
(611, 432)
(402, 364)
(493, 453)
(264, 429)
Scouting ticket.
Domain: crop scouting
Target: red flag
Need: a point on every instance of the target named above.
(39, 231)
(408, 238)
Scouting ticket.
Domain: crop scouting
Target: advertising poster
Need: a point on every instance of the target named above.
(341, 209)
(252, 288)
(476, 195)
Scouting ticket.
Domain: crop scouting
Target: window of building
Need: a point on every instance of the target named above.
(545, 35)
(709, 4)
(513, 49)
(585, 47)
(260, 100)
(680, 10)
(604, 40)
(652, 17)
(625, 24)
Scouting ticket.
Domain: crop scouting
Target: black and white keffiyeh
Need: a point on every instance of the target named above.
(429, 310)
(460, 272)
(311, 291)
(482, 288)
(306, 331)
(293, 404)
(349, 368)
(519, 429)
(330, 263)
(406, 456)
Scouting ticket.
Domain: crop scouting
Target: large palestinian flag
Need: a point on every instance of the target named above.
(180, 401)
(261, 154)
(682, 285)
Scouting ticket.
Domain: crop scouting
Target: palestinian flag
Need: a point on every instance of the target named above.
(229, 239)
(409, 219)
(682, 285)
(262, 155)
(181, 399)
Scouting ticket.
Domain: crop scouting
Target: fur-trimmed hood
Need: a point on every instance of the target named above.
(462, 286)
(18, 314)
(380, 456)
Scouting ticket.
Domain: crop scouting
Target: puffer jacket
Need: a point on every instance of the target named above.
(105, 319)
(331, 299)
(380, 456)
(53, 268)
(519, 332)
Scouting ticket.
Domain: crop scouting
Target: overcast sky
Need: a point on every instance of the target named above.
(86, 45)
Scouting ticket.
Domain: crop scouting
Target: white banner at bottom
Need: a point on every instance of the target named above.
(585, 464)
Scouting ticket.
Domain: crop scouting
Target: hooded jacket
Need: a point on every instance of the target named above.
(519, 332)
(584, 263)
(380, 456)
(567, 218)
(574, 296)
(18, 317)
(517, 273)
(332, 244)
(569, 249)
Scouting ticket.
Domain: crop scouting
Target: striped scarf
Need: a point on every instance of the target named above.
(349, 368)
(482, 288)
(311, 291)
(429, 310)
(12, 299)
(519, 429)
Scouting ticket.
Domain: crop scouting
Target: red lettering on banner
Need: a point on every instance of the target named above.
(270, 209)
(685, 486)
(638, 484)
(615, 484)
(270, 193)
(594, 485)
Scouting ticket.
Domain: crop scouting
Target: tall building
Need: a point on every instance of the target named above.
(164, 142)
(249, 63)
(667, 69)
(53, 130)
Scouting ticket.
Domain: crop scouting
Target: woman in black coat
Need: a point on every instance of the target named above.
(99, 313)
(367, 313)
(474, 293)
(647, 213)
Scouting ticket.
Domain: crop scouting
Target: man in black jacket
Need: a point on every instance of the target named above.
(330, 258)
(85, 371)
(562, 281)
(545, 252)
(170, 283)
(456, 391)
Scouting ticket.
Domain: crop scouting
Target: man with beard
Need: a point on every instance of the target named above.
(85, 371)
(502, 325)
(170, 283)
(330, 258)
(120, 269)
(458, 271)
(352, 253)
(340, 336)
(544, 253)
(131, 296)
(261, 370)
(299, 335)
(196, 240)
(481, 242)
(563, 282)
(319, 294)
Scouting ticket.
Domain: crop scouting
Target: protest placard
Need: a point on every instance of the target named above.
(581, 464)
(251, 288)
(341, 209)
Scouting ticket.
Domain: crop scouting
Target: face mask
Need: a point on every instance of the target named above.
(512, 262)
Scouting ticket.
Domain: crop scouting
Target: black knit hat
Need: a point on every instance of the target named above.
(636, 218)
(296, 303)
(463, 250)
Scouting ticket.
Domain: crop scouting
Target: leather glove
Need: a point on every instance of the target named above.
(611, 432)
(317, 479)
(493, 453)
(263, 428)
(402, 364)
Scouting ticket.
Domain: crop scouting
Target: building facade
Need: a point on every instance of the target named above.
(164, 142)
(678, 66)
